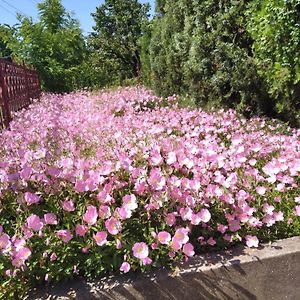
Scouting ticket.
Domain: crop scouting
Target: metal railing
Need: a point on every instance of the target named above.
(18, 87)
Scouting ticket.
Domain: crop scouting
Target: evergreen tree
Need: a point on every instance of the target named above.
(202, 48)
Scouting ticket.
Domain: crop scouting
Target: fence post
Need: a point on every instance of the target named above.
(5, 98)
(27, 86)
(39, 84)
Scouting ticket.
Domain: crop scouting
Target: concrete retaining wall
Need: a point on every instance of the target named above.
(271, 272)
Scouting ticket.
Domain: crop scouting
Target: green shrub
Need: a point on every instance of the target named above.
(275, 28)
(237, 54)
(204, 50)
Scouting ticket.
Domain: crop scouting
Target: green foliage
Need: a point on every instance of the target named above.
(53, 15)
(6, 33)
(220, 69)
(159, 7)
(115, 42)
(237, 54)
(145, 54)
(168, 48)
(54, 46)
(275, 28)
(203, 49)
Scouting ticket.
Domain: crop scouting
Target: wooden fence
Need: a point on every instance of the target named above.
(18, 87)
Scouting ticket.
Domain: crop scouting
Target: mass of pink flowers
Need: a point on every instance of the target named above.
(122, 179)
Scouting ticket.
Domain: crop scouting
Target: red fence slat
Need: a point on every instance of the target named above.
(18, 87)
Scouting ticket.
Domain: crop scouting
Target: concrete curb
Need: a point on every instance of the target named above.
(271, 272)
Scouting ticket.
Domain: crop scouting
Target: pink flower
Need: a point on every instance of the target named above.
(31, 198)
(81, 230)
(297, 210)
(22, 253)
(196, 219)
(268, 209)
(113, 225)
(147, 261)
(125, 267)
(201, 240)
(234, 225)
(104, 212)
(90, 215)
(271, 168)
(228, 238)
(186, 213)
(269, 220)
(26, 172)
(27, 232)
(261, 190)
(154, 246)
(278, 216)
(50, 219)
(243, 217)
(222, 228)
(188, 249)
(107, 168)
(254, 222)
(171, 158)
(5, 242)
(277, 199)
(80, 186)
(156, 158)
(18, 242)
(17, 262)
(164, 237)
(297, 199)
(170, 219)
(171, 254)
(118, 244)
(100, 238)
(68, 205)
(64, 235)
(104, 197)
(129, 202)
(140, 187)
(251, 241)
(20, 256)
(156, 180)
(53, 256)
(195, 185)
(122, 213)
(181, 236)
(280, 187)
(211, 241)
(140, 250)
(34, 222)
(86, 249)
(204, 215)
(175, 245)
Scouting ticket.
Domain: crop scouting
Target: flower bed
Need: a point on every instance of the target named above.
(124, 180)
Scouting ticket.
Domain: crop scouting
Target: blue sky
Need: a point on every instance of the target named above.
(81, 8)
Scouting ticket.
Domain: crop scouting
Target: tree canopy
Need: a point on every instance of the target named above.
(115, 40)
(54, 45)
(6, 33)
